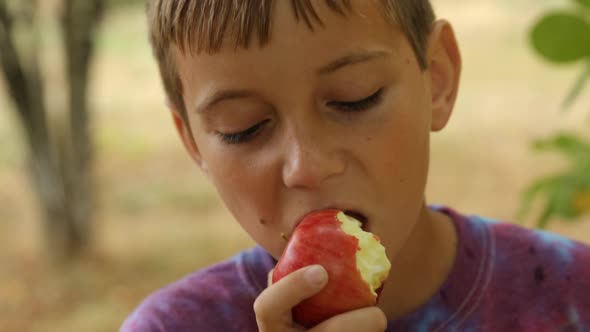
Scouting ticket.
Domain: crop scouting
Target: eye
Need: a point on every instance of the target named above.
(242, 136)
(358, 105)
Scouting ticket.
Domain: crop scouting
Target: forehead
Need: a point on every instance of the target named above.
(288, 64)
(292, 40)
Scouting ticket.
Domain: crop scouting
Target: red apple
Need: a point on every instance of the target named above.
(354, 259)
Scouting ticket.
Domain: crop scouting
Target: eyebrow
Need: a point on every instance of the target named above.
(222, 95)
(350, 60)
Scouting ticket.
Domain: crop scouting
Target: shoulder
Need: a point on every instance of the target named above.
(513, 247)
(537, 278)
(517, 243)
(510, 241)
(527, 279)
(211, 299)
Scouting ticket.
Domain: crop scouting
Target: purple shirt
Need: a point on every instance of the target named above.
(504, 278)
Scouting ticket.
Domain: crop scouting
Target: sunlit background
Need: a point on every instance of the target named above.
(158, 218)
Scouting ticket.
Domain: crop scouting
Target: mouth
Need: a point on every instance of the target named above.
(360, 217)
(364, 220)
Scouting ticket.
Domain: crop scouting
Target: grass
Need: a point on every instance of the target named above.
(159, 217)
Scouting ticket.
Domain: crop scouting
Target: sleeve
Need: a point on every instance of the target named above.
(137, 323)
(177, 310)
(212, 300)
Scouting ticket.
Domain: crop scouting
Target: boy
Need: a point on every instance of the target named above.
(295, 106)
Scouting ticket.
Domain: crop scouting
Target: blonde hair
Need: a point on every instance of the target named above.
(196, 26)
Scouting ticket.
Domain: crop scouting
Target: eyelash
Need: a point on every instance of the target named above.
(345, 106)
(242, 136)
(359, 105)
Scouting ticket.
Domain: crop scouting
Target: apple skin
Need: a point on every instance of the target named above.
(319, 239)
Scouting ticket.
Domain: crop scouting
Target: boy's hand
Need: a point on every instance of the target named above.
(273, 306)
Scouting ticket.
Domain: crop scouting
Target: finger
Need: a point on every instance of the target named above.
(371, 319)
(273, 306)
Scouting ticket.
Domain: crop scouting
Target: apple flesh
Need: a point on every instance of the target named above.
(354, 259)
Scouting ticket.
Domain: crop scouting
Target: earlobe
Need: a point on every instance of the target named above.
(444, 61)
(184, 131)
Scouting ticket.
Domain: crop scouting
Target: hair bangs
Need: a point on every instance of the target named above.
(203, 26)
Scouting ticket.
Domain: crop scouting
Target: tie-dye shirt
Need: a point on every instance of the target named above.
(505, 278)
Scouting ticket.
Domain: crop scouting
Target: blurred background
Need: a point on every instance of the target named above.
(141, 215)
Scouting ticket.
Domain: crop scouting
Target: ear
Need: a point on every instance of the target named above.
(444, 67)
(186, 136)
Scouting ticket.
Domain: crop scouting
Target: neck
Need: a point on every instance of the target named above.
(422, 265)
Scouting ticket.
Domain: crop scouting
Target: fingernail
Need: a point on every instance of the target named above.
(316, 275)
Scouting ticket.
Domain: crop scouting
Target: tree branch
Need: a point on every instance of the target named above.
(79, 23)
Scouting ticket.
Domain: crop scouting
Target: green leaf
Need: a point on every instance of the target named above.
(578, 86)
(584, 2)
(563, 198)
(568, 144)
(562, 37)
(559, 191)
(559, 203)
(544, 218)
(544, 185)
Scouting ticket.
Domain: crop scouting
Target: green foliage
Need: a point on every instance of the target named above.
(578, 86)
(562, 191)
(563, 37)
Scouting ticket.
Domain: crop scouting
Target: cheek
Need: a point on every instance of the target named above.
(400, 171)
(400, 156)
(229, 173)
(239, 186)
(247, 191)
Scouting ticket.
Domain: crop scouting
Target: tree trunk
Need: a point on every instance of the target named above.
(60, 164)
(79, 22)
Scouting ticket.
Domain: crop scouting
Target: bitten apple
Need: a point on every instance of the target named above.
(354, 259)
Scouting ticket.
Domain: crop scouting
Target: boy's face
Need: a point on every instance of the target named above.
(337, 117)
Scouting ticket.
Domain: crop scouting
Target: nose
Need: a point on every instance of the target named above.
(311, 157)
